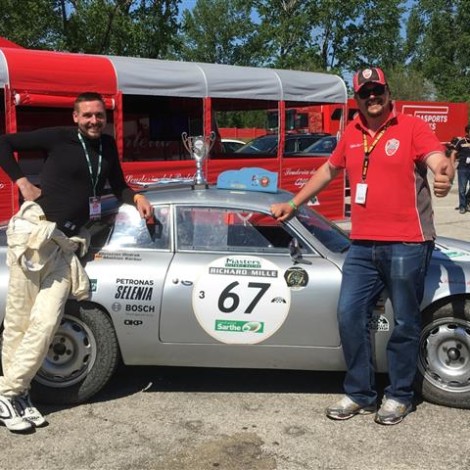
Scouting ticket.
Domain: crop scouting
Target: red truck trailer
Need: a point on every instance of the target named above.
(446, 119)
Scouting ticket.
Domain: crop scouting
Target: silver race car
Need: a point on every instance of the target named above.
(215, 281)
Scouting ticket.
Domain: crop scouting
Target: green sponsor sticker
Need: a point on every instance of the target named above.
(235, 326)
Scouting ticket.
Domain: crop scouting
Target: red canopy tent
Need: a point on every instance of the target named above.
(6, 43)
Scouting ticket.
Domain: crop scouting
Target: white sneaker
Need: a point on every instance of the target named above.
(28, 411)
(10, 416)
(392, 411)
(347, 408)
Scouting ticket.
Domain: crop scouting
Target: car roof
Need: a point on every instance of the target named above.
(189, 194)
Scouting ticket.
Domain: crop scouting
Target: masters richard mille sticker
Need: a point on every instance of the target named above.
(241, 299)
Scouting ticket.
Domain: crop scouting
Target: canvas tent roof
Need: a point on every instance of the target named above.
(56, 72)
(192, 79)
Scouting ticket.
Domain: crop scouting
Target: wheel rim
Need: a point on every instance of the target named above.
(444, 358)
(71, 355)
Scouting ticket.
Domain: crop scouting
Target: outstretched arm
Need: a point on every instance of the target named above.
(315, 184)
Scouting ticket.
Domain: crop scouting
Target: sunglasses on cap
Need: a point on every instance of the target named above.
(376, 90)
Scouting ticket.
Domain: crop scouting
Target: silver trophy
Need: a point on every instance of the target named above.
(199, 147)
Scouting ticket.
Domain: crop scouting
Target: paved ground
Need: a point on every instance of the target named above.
(202, 419)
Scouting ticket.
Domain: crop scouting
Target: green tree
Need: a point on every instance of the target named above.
(284, 32)
(219, 31)
(145, 28)
(330, 35)
(33, 24)
(438, 40)
(409, 84)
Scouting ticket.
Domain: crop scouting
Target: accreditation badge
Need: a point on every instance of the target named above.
(95, 208)
(361, 191)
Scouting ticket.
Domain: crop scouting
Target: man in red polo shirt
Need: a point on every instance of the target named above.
(386, 155)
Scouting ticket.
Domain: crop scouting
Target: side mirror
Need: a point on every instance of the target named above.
(295, 253)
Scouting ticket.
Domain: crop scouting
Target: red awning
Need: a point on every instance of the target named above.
(57, 73)
(6, 43)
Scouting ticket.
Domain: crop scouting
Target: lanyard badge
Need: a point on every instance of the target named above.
(361, 188)
(94, 201)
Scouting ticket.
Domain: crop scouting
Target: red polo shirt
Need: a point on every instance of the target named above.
(398, 202)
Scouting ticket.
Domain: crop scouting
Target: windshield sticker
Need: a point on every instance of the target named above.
(241, 299)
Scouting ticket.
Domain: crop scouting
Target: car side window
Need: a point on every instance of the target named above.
(216, 229)
(290, 146)
(130, 230)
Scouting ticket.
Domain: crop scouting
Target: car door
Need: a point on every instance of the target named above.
(233, 281)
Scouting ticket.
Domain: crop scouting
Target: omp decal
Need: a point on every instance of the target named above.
(241, 299)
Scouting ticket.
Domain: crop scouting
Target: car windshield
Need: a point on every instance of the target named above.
(329, 234)
(263, 144)
(324, 145)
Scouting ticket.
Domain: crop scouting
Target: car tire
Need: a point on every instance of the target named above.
(444, 355)
(81, 359)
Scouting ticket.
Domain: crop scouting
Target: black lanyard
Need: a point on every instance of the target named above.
(368, 149)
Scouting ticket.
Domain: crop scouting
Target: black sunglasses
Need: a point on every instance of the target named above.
(376, 90)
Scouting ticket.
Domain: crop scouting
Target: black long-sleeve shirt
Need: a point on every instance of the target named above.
(65, 180)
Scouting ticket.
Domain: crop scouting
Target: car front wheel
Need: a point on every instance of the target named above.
(81, 359)
(444, 355)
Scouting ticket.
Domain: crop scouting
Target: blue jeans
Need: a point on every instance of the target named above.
(463, 178)
(368, 269)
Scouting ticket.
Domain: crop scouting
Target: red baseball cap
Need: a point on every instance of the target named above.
(373, 74)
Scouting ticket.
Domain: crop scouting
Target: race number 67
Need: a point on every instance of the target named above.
(229, 300)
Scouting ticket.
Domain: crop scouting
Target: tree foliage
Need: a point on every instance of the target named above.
(421, 44)
(438, 38)
(218, 31)
(143, 28)
(35, 24)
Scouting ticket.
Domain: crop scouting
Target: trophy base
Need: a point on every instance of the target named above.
(200, 186)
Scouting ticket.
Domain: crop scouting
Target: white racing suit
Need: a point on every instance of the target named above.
(43, 272)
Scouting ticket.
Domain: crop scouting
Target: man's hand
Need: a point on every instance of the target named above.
(443, 179)
(442, 185)
(27, 189)
(282, 211)
(143, 206)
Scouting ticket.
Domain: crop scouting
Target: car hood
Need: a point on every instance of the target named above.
(453, 248)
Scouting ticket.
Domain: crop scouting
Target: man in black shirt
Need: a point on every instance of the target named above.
(79, 162)
(460, 151)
